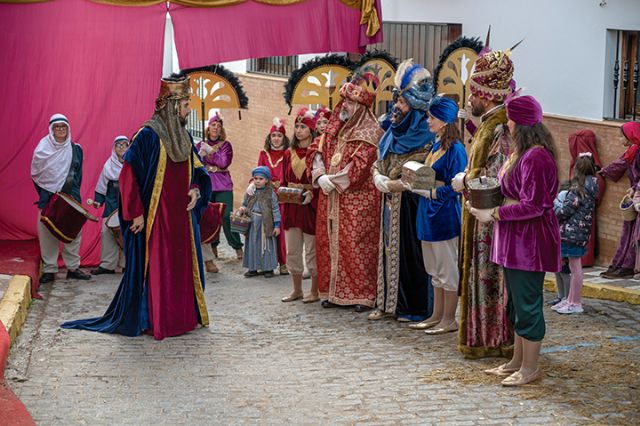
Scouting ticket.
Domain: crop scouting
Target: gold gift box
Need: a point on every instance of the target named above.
(290, 195)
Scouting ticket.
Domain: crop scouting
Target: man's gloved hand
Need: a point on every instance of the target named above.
(380, 181)
(457, 183)
(325, 184)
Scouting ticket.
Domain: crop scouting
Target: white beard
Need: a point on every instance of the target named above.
(344, 115)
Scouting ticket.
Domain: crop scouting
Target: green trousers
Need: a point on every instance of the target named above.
(525, 302)
(233, 238)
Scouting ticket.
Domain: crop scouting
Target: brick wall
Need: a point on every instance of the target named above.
(247, 134)
(266, 101)
(609, 144)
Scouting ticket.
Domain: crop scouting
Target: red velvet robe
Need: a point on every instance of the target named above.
(273, 160)
(297, 215)
(170, 275)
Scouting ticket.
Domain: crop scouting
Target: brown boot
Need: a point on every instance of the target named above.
(239, 253)
(210, 266)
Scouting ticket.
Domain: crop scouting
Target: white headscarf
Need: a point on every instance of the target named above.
(111, 169)
(51, 160)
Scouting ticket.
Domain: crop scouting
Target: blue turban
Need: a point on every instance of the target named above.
(261, 171)
(444, 109)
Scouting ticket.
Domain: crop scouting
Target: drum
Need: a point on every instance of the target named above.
(64, 217)
(211, 222)
(240, 223)
(113, 223)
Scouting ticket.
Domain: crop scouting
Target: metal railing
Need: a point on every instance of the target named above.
(281, 66)
(422, 41)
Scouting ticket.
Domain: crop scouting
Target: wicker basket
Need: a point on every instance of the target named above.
(240, 223)
(484, 193)
(629, 213)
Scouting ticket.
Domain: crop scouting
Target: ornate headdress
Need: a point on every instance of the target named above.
(306, 117)
(358, 88)
(172, 88)
(323, 112)
(413, 83)
(278, 126)
(493, 73)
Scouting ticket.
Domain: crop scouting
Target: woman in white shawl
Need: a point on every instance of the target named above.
(108, 193)
(57, 167)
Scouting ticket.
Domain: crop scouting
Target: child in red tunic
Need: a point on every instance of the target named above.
(299, 221)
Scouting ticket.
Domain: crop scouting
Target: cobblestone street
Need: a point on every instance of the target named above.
(263, 361)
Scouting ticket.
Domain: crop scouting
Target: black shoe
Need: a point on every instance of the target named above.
(77, 274)
(327, 304)
(100, 270)
(268, 274)
(361, 308)
(250, 274)
(610, 270)
(47, 278)
(620, 273)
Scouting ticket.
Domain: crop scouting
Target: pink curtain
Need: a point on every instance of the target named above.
(255, 30)
(99, 65)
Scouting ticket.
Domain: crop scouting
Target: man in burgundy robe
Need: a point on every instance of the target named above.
(163, 191)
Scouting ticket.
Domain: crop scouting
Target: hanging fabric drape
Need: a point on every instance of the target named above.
(307, 27)
(368, 8)
(99, 65)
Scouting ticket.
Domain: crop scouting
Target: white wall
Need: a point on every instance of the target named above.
(563, 58)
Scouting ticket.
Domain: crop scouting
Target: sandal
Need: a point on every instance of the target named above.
(291, 298)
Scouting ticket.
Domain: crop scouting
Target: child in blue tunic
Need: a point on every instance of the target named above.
(260, 246)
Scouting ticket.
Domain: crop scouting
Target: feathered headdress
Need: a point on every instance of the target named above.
(409, 74)
(413, 83)
(278, 126)
(306, 117)
(323, 112)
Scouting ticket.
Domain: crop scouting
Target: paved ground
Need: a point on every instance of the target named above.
(266, 362)
(593, 276)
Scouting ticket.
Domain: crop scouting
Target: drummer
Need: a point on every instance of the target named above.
(56, 166)
(108, 193)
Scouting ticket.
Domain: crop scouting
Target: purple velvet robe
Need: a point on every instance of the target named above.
(217, 164)
(626, 254)
(527, 236)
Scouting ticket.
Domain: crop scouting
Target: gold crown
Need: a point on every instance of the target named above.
(172, 88)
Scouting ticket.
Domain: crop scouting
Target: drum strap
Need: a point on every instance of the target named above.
(68, 183)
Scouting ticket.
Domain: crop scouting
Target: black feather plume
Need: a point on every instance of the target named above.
(296, 75)
(378, 54)
(471, 43)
